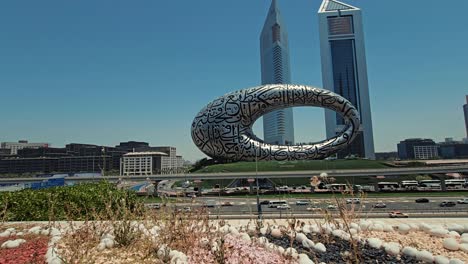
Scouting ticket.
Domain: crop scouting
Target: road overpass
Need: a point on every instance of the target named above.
(273, 174)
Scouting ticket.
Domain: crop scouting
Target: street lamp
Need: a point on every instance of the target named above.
(259, 207)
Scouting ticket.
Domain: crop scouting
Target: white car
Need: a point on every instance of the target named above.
(283, 207)
(463, 201)
(314, 208)
(302, 202)
(153, 206)
(331, 206)
(353, 201)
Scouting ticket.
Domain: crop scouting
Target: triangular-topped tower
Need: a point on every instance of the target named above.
(333, 5)
(278, 126)
(344, 71)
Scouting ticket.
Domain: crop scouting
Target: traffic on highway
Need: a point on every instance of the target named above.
(396, 207)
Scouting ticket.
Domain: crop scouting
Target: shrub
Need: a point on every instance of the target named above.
(80, 202)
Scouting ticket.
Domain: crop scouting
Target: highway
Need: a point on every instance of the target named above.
(243, 208)
(246, 175)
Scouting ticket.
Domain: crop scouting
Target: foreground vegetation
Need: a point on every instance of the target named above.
(80, 202)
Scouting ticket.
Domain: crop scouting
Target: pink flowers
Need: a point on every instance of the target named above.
(238, 251)
(32, 251)
(235, 250)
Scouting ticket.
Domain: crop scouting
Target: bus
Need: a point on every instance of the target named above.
(431, 184)
(337, 187)
(275, 203)
(455, 183)
(388, 186)
(409, 185)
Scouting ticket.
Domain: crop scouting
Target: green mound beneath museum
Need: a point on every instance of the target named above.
(291, 166)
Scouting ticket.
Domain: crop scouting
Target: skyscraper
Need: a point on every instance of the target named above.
(465, 110)
(344, 70)
(278, 126)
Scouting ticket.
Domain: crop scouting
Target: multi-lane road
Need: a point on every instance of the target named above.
(247, 208)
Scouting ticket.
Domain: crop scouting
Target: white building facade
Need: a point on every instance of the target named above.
(160, 160)
(22, 144)
(344, 70)
(144, 163)
(426, 152)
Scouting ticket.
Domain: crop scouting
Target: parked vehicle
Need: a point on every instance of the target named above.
(227, 204)
(302, 202)
(463, 201)
(447, 204)
(353, 201)
(397, 214)
(153, 206)
(380, 205)
(422, 200)
(265, 202)
(275, 203)
(284, 188)
(210, 203)
(283, 207)
(313, 208)
(331, 206)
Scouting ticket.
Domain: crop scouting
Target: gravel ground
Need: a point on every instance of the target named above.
(420, 240)
(338, 251)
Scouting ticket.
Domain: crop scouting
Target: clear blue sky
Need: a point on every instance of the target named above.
(107, 71)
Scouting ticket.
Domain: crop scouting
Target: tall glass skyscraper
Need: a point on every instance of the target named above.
(278, 126)
(344, 70)
(465, 110)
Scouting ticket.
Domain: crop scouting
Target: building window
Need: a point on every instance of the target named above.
(276, 33)
(344, 73)
(340, 25)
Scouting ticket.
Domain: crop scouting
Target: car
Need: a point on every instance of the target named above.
(302, 202)
(313, 208)
(187, 209)
(283, 188)
(331, 206)
(210, 203)
(283, 207)
(265, 202)
(422, 200)
(463, 201)
(191, 195)
(447, 204)
(227, 204)
(153, 206)
(380, 205)
(353, 201)
(397, 214)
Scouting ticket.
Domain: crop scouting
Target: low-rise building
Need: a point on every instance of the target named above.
(455, 150)
(22, 144)
(81, 158)
(144, 163)
(4, 152)
(70, 164)
(417, 148)
(426, 152)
